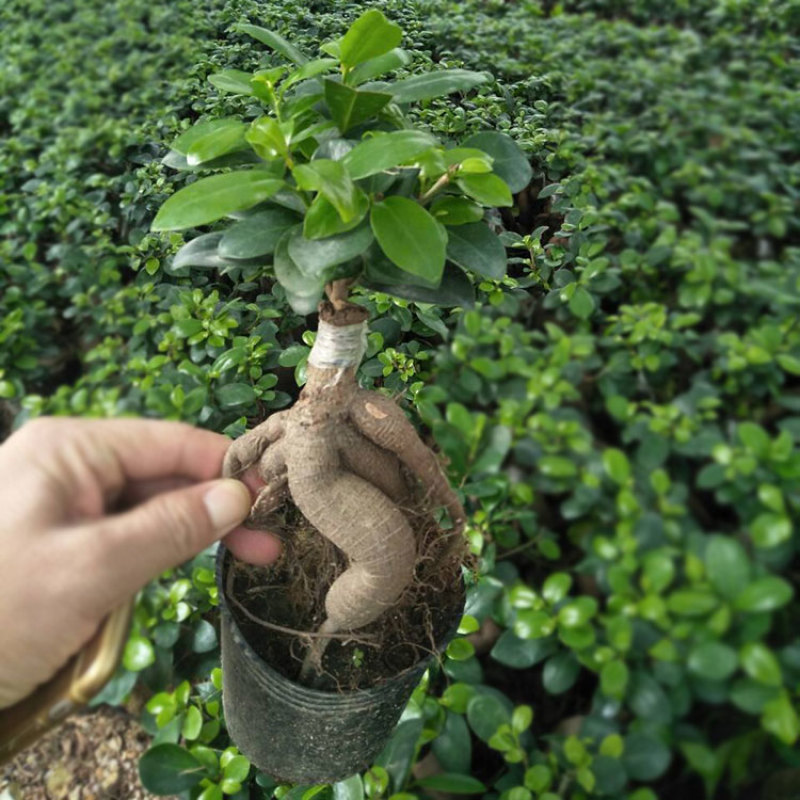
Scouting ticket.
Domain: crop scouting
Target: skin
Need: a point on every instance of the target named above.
(338, 453)
(92, 510)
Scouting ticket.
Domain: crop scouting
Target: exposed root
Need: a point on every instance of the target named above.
(358, 473)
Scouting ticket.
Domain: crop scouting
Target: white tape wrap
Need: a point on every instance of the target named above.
(339, 345)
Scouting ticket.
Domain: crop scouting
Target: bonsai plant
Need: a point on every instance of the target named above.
(331, 187)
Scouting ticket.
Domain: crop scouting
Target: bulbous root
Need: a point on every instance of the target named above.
(340, 452)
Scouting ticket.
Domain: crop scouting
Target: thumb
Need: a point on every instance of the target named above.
(129, 549)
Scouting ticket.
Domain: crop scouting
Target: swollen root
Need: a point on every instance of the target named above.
(345, 455)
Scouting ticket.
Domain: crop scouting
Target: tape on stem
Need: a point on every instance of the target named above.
(339, 345)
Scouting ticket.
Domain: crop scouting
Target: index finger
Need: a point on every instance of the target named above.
(115, 452)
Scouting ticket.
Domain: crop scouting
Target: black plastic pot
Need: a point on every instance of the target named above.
(297, 734)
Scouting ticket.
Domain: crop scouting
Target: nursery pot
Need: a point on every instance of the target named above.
(300, 735)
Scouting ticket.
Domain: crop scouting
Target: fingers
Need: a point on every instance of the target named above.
(127, 550)
(255, 547)
(114, 453)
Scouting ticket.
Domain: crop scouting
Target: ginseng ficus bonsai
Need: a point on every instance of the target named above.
(332, 187)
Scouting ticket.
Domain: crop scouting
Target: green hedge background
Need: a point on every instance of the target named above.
(621, 413)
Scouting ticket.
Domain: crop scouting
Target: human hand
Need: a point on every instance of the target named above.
(90, 510)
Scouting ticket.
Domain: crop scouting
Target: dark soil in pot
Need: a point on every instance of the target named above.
(276, 607)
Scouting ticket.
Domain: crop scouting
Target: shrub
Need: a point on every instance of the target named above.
(620, 412)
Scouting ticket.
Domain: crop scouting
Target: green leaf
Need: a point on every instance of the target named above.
(199, 252)
(139, 654)
(192, 723)
(510, 163)
(727, 565)
(713, 661)
(209, 199)
(764, 594)
(487, 189)
(303, 292)
(371, 35)
(476, 248)
(454, 289)
(581, 304)
(452, 783)
(201, 138)
(275, 41)
(781, 720)
(333, 181)
(410, 237)
(237, 769)
(436, 84)
(691, 602)
(266, 136)
(485, 714)
(753, 437)
(460, 649)
(379, 65)
(453, 746)
(168, 769)
(309, 70)
(456, 210)
(751, 696)
(257, 235)
(351, 788)
(519, 653)
(323, 220)
(614, 679)
(648, 700)
(398, 755)
(616, 465)
(314, 256)
(384, 151)
(235, 394)
(350, 106)
(232, 81)
(204, 635)
(560, 673)
(557, 467)
(760, 663)
(770, 530)
(646, 758)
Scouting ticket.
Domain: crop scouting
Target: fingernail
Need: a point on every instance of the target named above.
(228, 504)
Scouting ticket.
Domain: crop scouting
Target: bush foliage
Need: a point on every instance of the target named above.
(621, 413)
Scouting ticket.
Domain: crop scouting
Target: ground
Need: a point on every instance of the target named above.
(92, 756)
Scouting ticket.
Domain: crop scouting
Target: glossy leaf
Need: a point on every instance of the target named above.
(384, 151)
(209, 199)
(168, 769)
(436, 84)
(371, 35)
(713, 661)
(476, 248)
(727, 565)
(350, 106)
(257, 235)
(323, 220)
(232, 81)
(454, 289)
(451, 210)
(764, 594)
(274, 41)
(314, 256)
(333, 181)
(374, 67)
(489, 190)
(510, 163)
(410, 237)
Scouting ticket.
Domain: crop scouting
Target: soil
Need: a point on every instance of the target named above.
(291, 594)
(94, 755)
